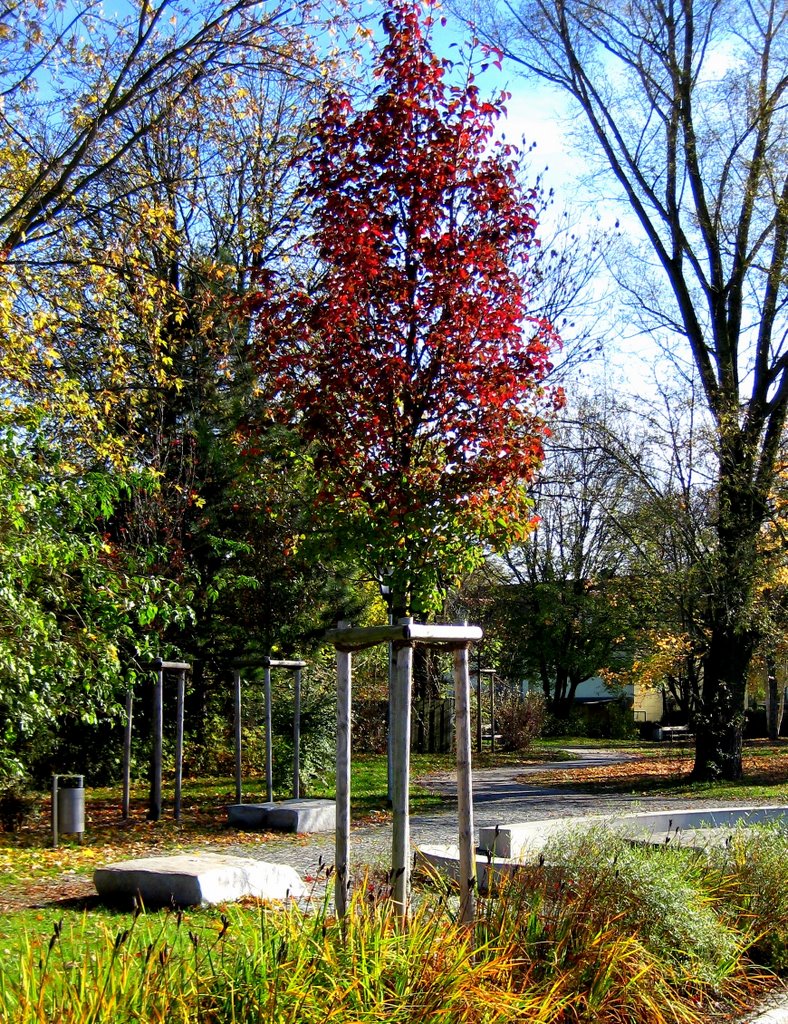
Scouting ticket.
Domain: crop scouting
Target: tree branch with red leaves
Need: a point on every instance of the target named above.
(413, 372)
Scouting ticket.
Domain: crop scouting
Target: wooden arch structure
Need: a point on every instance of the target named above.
(403, 637)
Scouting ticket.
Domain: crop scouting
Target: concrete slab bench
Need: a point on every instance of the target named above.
(510, 848)
(187, 879)
(445, 861)
(285, 816)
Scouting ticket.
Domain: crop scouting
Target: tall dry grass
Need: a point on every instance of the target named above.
(600, 932)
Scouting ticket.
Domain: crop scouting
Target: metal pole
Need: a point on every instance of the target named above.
(492, 714)
(179, 742)
(154, 807)
(54, 811)
(479, 701)
(342, 847)
(237, 713)
(400, 749)
(269, 779)
(389, 764)
(296, 733)
(126, 805)
(237, 693)
(462, 724)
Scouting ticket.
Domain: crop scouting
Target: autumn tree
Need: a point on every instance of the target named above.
(82, 86)
(411, 368)
(145, 165)
(84, 93)
(684, 103)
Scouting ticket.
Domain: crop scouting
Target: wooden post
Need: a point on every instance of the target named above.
(126, 805)
(404, 636)
(400, 750)
(342, 848)
(462, 724)
(269, 779)
(237, 702)
(296, 733)
(179, 742)
(154, 804)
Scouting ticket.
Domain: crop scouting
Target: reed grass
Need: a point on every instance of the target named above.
(600, 932)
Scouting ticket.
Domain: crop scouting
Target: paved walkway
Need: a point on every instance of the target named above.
(499, 797)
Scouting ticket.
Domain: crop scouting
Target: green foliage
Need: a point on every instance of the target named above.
(751, 867)
(610, 721)
(620, 723)
(573, 724)
(90, 748)
(558, 632)
(69, 599)
(661, 896)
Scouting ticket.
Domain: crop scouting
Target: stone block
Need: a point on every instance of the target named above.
(192, 878)
(249, 816)
(445, 861)
(302, 815)
(527, 839)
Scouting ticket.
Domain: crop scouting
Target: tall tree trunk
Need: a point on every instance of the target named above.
(719, 724)
(558, 702)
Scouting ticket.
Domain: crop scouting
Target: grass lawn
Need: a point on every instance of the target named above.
(63, 958)
(664, 769)
(30, 868)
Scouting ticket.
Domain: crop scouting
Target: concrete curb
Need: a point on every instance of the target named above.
(773, 1010)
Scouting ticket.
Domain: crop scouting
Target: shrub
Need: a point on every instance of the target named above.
(612, 720)
(621, 724)
(519, 719)
(615, 932)
(595, 883)
(750, 870)
(659, 895)
(15, 806)
(573, 724)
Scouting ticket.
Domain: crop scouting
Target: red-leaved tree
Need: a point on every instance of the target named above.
(411, 368)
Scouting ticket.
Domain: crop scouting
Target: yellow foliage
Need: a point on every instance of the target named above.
(666, 655)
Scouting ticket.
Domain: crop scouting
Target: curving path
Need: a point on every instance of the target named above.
(499, 797)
